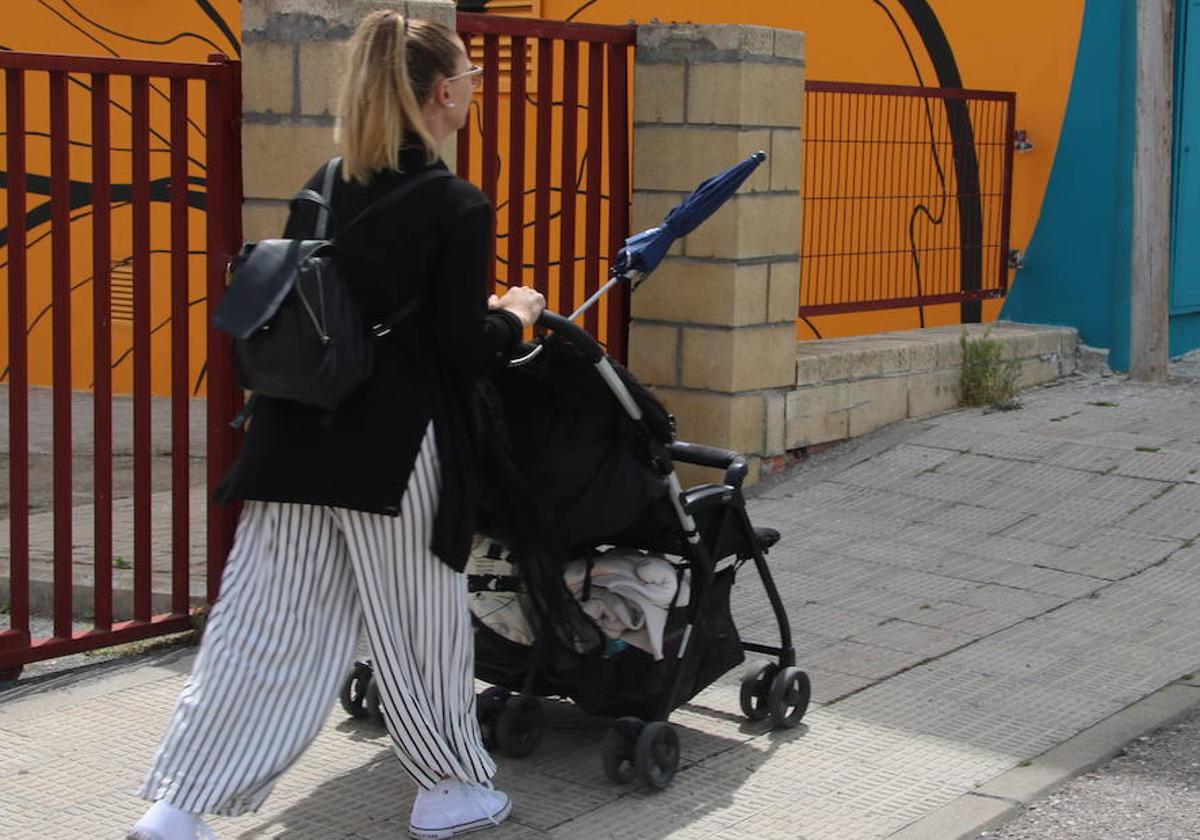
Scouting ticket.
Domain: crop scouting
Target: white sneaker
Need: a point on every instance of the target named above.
(455, 807)
(166, 822)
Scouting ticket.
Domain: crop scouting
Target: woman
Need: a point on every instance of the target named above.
(365, 513)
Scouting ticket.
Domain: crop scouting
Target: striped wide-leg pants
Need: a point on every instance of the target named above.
(298, 585)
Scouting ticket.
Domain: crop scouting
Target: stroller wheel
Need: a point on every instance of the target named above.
(619, 749)
(353, 695)
(374, 702)
(657, 754)
(756, 689)
(488, 707)
(790, 693)
(520, 725)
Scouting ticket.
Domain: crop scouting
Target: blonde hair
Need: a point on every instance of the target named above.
(392, 64)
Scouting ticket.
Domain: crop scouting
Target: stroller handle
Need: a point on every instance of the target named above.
(709, 456)
(573, 333)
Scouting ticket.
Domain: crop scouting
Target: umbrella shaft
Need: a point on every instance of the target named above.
(590, 302)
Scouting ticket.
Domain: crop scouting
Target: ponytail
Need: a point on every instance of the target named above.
(391, 65)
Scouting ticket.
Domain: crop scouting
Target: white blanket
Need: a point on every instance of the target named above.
(630, 596)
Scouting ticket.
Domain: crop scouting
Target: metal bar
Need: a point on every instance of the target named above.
(906, 90)
(900, 303)
(516, 163)
(18, 360)
(60, 273)
(462, 166)
(566, 219)
(489, 24)
(124, 632)
(491, 128)
(55, 63)
(595, 298)
(595, 158)
(222, 231)
(180, 501)
(543, 155)
(142, 451)
(618, 193)
(102, 353)
(1010, 131)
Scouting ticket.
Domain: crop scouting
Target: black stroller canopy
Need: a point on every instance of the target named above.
(586, 463)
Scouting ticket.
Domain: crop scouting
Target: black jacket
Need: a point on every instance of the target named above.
(434, 245)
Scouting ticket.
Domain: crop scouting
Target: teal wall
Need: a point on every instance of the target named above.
(1185, 255)
(1077, 263)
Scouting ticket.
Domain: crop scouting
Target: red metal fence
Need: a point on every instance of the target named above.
(134, 160)
(907, 197)
(549, 143)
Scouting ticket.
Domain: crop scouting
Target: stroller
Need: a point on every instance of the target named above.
(591, 454)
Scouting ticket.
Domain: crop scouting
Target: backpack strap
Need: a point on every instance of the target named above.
(323, 199)
(326, 210)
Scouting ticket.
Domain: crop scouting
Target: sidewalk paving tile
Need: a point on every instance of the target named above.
(962, 600)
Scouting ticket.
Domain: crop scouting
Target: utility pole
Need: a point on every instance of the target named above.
(1150, 279)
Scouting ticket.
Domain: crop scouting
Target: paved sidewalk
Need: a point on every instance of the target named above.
(968, 592)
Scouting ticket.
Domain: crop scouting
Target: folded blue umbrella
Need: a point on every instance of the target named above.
(644, 251)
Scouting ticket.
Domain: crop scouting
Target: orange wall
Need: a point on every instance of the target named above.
(177, 31)
(1026, 46)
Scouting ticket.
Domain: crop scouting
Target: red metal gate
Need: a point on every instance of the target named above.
(131, 184)
(907, 197)
(573, 85)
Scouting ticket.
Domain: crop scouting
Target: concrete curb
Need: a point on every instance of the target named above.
(999, 800)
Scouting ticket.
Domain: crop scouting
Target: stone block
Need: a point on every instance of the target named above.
(775, 409)
(724, 420)
(746, 94)
(678, 158)
(834, 365)
(277, 159)
(750, 226)
(783, 291)
(949, 353)
(654, 353)
(268, 82)
(1039, 370)
(725, 43)
(254, 18)
(263, 219)
(321, 68)
(789, 44)
(742, 359)
(870, 358)
(786, 159)
(922, 354)
(1018, 343)
(808, 365)
(929, 393)
(658, 93)
(817, 414)
(689, 291)
(876, 402)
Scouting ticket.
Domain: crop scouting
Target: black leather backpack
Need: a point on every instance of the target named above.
(297, 332)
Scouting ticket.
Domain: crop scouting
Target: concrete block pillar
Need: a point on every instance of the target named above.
(292, 53)
(714, 328)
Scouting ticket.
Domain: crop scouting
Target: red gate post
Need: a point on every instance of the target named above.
(223, 118)
(17, 636)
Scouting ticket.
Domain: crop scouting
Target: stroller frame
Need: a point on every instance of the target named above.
(696, 502)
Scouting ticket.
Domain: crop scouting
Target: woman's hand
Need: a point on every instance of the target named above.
(522, 301)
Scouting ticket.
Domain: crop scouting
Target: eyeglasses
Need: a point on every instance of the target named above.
(475, 74)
